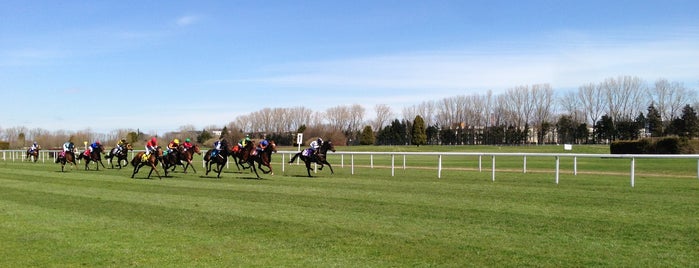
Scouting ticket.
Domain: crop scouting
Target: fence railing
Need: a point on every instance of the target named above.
(44, 155)
(555, 156)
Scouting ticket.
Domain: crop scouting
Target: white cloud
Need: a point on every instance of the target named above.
(187, 20)
(563, 65)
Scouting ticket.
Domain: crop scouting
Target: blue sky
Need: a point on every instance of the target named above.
(158, 65)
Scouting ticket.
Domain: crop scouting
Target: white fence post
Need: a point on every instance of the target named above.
(558, 161)
(633, 171)
(439, 167)
(524, 169)
(493, 169)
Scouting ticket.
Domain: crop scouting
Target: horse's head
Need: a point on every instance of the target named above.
(129, 147)
(327, 145)
(272, 145)
(196, 149)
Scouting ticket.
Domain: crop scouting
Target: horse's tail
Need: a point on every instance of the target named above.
(294, 158)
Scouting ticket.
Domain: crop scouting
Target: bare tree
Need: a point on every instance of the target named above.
(571, 105)
(593, 101)
(383, 116)
(338, 117)
(356, 118)
(625, 97)
(669, 98)
(520, 104)
(542, 98)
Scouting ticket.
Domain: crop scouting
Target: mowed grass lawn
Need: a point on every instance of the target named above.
(366, 219)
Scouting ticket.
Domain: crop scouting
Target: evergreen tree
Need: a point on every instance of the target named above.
(654, 122)
(367, 136)
(204, 136)
(605, 129)
(691, 123)
(419, 134)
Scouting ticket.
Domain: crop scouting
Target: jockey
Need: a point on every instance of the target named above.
(263, 144)
(68, 146)
(33, 147)
(217, 147)
(187, 144)
(150, 146)
(315, 145)
(244, 141)
(93, 146)
(120, 145)
(172, 146)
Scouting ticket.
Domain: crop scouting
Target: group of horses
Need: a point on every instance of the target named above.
(245, 157)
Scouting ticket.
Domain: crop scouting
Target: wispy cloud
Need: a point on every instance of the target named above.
(187, 20)
(562, 65)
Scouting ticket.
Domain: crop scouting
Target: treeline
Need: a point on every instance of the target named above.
(617, 108)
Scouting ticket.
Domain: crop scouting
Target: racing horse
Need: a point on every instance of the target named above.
(94, 156)
(33, 155)
(122, 155)
(66, 158)
(319, 157)
(187, 155)
(238, 154)
(219, 159)
(152, 160)
(264, 157)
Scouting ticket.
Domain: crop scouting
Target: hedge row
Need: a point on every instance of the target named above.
(667, 145)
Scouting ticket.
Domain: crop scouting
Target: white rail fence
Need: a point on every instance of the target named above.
(44, 155)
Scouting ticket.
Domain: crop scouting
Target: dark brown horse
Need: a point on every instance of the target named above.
(220, 159)
(33, 154)
(238, 153)
(318, 157)
(66, 158)
(94, 156)
(151, 160)
(187, 155)
(263, 157)
(122, 155)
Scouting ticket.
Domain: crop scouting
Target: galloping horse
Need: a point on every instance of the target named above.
(187, 155)
(220, 159)
(33, 154)
(319, 157)
(95, 156)
(122, 155)
(238, 153)
(137, 162)
(264, 157)
(66, 157)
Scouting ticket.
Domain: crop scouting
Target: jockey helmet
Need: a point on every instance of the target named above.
(176, 141)
(153, 140)
(320, 140)
(34, 143)
(123, 140)
(264, 143)
(187, 140)
(97, 142)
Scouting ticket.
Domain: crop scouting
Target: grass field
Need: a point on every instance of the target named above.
(369, 219)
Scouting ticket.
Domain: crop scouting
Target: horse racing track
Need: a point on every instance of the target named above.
(104, 218)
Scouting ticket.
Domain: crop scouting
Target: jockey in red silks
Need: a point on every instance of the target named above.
(150, 146)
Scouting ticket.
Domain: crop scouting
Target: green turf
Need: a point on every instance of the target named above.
(369, 219)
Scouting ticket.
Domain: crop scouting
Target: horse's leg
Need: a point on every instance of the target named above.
(331, 167)
(135, 170)
(154, 167)
(220, 168)
(308, 166)
(254, 169)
